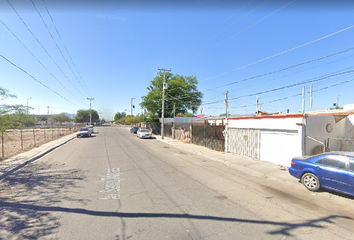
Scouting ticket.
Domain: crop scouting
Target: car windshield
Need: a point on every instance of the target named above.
(145, 130)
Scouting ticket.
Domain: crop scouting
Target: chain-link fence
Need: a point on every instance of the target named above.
(17, 140)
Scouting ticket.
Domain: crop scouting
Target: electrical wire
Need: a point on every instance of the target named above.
(18, 15)
(229, 25)
(56, 44)
(242, 30)
(39, 60)
(56, 29)
(280, 53)
(294, 73)
(35, 79)
(285, 87)
(275, 71)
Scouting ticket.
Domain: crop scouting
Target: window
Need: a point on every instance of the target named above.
(351, 164)
(334, 161)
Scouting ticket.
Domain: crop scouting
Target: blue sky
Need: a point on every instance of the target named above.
(111, 50)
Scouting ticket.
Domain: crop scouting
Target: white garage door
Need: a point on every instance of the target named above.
(279, 147)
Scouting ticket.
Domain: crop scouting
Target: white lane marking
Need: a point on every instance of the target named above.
(111, 184)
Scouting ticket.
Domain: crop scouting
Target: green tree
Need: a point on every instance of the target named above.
(119, 115)
(21, 118)
(11, 116)
(42, 119)
(182, 91)
(187, 114)
(60, 118)
(83, 116)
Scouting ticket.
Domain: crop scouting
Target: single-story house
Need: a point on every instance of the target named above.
(280, 137)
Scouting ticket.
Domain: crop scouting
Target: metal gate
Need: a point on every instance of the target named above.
(244, 142)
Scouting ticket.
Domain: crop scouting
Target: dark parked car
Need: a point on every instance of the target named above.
(83, 132)
(134, 130)
(331, 170)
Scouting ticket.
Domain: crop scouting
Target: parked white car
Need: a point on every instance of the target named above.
(90, 127)
(83, 132)
(143, 133)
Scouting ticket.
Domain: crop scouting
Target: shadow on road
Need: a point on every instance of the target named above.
(30, 205)
(37, 184)
(285, 228)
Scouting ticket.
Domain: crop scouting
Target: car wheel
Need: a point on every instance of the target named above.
(311, 181)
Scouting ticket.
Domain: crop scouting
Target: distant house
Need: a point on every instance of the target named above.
(261, 113)
(278, 138)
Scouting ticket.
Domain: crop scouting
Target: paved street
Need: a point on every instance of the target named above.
(116, 186)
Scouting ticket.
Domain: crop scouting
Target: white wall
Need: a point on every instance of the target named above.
(280, 138)
(280, 147)
(283, 138)
(266, 123)
(316, 128)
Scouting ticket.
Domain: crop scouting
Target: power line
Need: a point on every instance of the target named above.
(275, 71)
(56, 44)
(226, 21)
(285, 87)
(294, 73)
(261, 75)
(294, 85)
(243, 30)
(318, 90)
(275, 55)
(36, 80)
(329, 35)
(50, 16)
(18, 15)
(38, 60)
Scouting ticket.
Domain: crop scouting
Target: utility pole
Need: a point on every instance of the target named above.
(227, 104)
(131, 111)
(311, 97)
(164, 86)
(27, 104)
(303, 100)
(90, 109)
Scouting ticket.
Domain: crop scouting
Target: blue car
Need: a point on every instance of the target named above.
(331, 170)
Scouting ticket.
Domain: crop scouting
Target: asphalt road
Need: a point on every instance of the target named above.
(116, 186)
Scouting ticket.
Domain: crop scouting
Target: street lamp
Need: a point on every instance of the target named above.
(27, 104)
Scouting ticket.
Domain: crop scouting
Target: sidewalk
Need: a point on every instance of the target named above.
(14, 163)
(251, 167)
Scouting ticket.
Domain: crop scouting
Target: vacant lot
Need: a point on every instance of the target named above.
(19, 140)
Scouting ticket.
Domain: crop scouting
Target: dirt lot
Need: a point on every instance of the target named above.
(20, 140)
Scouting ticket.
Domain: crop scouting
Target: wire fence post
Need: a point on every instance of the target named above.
(34, 138)
(2, 145)
(204, 130)
(21, 140)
